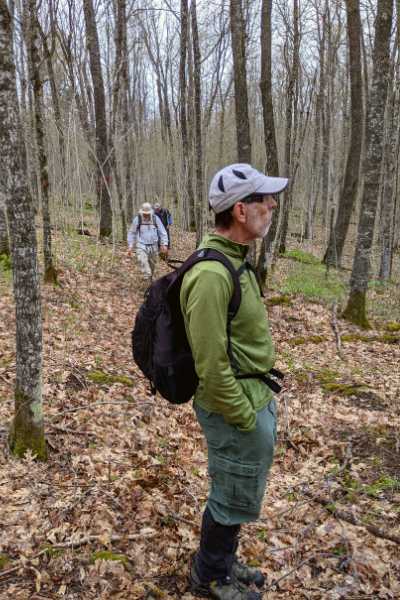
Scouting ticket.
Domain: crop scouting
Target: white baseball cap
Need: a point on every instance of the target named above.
(146, 209)
(238, 182)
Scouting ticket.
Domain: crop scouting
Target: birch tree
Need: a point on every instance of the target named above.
(27, 431)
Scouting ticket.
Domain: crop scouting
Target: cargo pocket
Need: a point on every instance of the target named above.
(209, 425)
(237, 482)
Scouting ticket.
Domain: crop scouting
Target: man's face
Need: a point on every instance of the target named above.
(259, 216)
(146, 217)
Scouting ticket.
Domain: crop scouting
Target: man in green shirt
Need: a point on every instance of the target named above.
(238, 416)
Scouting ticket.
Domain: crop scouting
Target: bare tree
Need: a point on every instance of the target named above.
(272, 165)
(289, 142)
(197, 115)
(27, 431)
(355, 309)
(350, 187)
(32, 40)
(238, 31)
(4, 241)
(103, 163)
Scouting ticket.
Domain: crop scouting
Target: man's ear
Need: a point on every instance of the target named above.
(240, 211)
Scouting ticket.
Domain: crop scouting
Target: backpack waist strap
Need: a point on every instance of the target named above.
(275, 387)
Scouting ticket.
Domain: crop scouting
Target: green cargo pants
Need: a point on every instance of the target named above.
(238, 464)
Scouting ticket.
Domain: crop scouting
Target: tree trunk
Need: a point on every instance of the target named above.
(182, 104)
(392, 151)
(289, 131)
(272, 165)
(48, 56)
(50, 272)
(120, 20)
(197, 116)
(355, 310)
(238, 31)
(4, 241)
(27, 431)
(350, 187)
(128, 207)
(103, 164)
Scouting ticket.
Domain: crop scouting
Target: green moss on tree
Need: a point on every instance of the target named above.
(26, 432)
(51, 275)
(4, 561)
(111, 556)
(100, 378)
(279, 301)
(355, 310)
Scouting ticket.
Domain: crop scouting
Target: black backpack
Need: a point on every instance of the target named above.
(160, 345)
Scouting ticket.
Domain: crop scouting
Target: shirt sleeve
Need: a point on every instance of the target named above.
(169, 216)
(132, 233)
(206, 296)
(163, 233)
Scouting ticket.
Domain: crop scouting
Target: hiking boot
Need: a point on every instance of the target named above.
(247, 574)
(228, 588)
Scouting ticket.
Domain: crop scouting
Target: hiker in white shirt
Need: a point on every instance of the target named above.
(144, 230)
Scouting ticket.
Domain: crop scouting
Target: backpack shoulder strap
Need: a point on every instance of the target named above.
(154, 220)
(211, 254)
(234, 304)
(139, 222)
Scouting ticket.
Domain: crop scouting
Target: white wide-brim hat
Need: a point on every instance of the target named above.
(146, 209)
(238, 182)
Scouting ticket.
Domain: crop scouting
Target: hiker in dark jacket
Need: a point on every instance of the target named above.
(165, 217)
(238, 416)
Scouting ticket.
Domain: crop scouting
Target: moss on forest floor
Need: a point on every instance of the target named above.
(100, 378)
(50, 550)
(111, 556)
(4, 561)
(279, 301)
(391, 327)
(315, 339)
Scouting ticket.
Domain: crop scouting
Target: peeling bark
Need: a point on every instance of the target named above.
(4, 241)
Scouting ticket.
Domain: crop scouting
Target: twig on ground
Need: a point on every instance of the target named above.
(85, 406)
(287, 416)
(112, 497)
(113, 538)
(347, 456)
(335, 328)
(10, 385)
(177, 517)
(298, 567)
(292, 507)
(66, 430)
(350, 518)
(9, 571)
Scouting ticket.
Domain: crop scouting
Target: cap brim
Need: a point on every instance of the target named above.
(273, 185)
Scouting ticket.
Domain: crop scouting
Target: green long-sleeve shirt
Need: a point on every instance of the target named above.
(206, 291)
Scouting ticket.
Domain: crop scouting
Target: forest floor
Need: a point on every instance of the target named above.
(115, 512)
